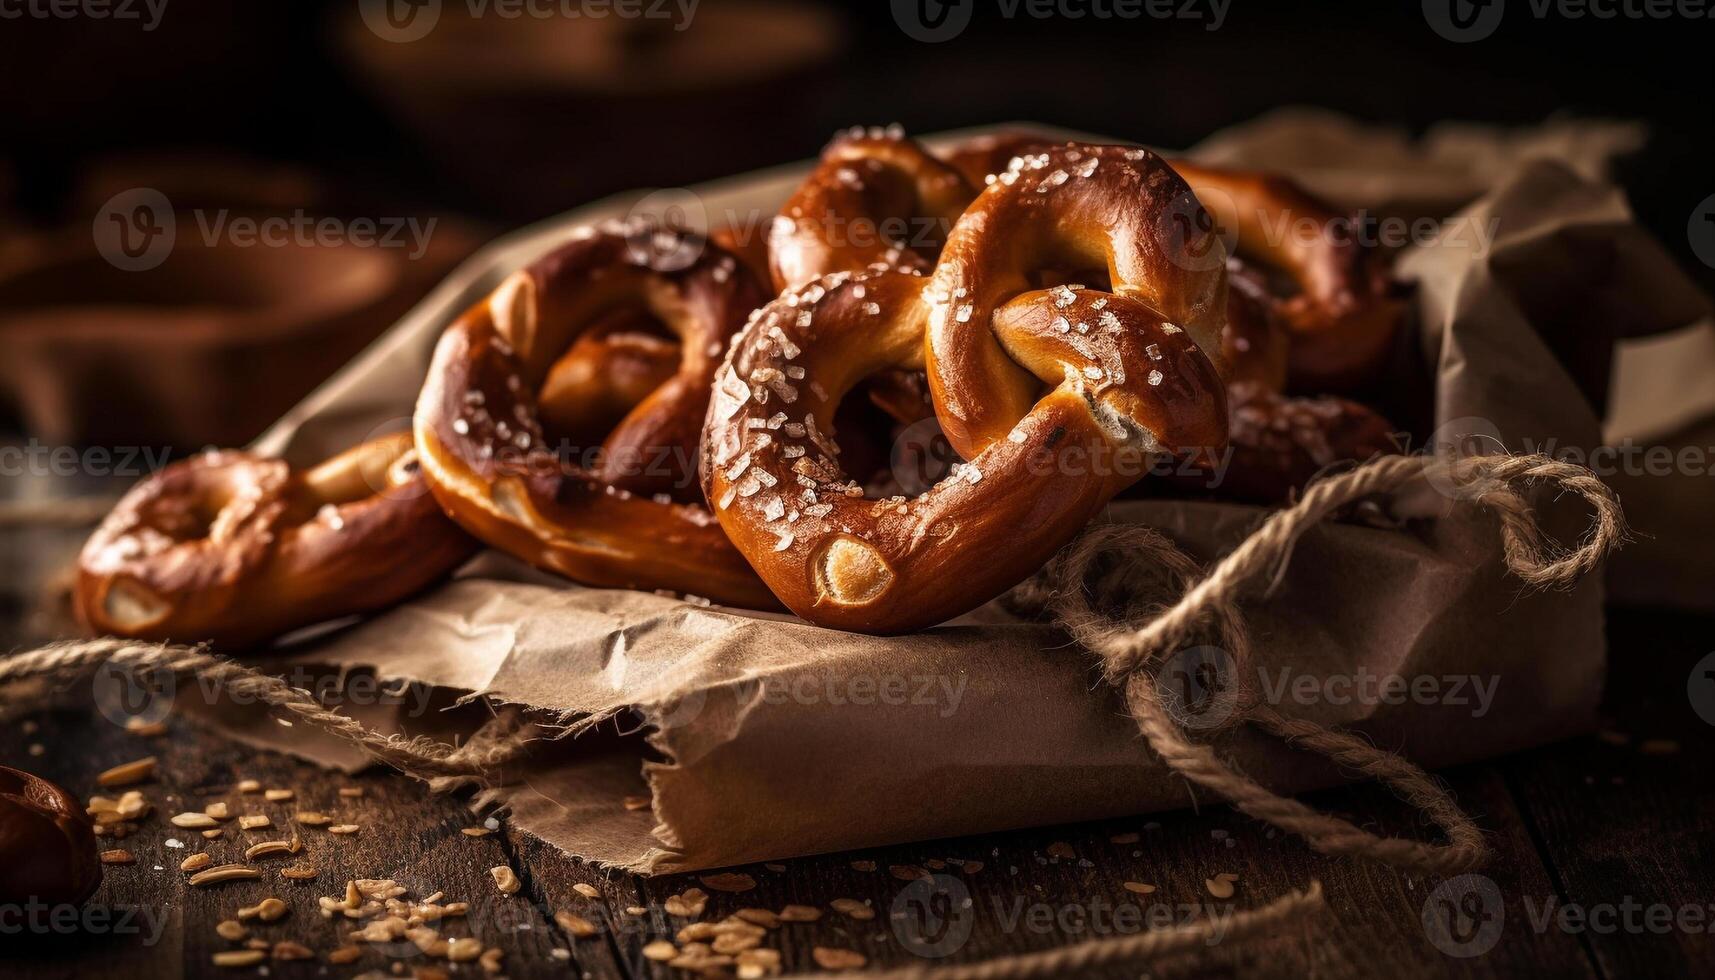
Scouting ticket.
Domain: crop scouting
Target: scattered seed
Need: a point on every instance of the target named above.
(218, 811)
(194, 821)
(636, 911)
(310, 818)
(490, 959)
(278, 795)
(231, 930)
(196, 862)
(729, 882)
(638, 803)
(351, 792)
(212, 834)
(344, 829)
(863, 865)
(1221, 886)
(907, 872)
(254, 821)
(660, 951)
(273, 848)
(268, 910)
(286, 950)
(576, 925)
(759, 917)
(829, 958)
(753, 964)
(774, 867)
(1139, 888)
(249, 786)
(852, 908)
(128, 774)
(505, 880)
(226, 872)
(464, 950)
(344, 955)
(145, 729)
(476, 831)
(299, 872)
(118, 857)
(586, 890)
(239, 958)
(800, 913)
(970, 867)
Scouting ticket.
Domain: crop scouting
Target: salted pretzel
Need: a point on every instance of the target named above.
(1280, 442)
(1056, 395)
(237, 549)
(874, 197)
(1346, 311)
(612, 521)
(1343, 316)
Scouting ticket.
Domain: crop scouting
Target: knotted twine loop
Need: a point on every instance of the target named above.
(423, 757)
(1133, 648)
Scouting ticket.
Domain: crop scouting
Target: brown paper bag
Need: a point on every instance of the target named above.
(751, 737)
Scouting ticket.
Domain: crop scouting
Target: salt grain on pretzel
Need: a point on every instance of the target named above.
(1021, 376)
(485, 451)
(874, 197)
(235, 548)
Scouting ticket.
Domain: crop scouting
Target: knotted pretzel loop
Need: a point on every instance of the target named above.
(1115, 217)
(631, 518)
(233, 548)
(1345, 313)
(875, 198)
(1279, 443)
(1095, 402)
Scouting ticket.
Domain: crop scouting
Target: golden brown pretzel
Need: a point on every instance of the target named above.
(1344, 315)
(237, 549)
(1279, 442)
(1343, 318)
(494, 469)
(874, 198)
(1129, 384)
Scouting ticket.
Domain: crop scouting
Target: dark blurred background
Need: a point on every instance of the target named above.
(492, 121)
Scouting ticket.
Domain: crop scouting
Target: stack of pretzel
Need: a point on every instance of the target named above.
(1065, 316)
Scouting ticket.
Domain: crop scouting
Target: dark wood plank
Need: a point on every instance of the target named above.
(1628, 819)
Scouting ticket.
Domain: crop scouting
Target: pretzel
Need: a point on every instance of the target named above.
(1280, 443)
(607, 522)
(236, 549)
(1343, 319)
(1125, 381)
(1344, 316)
(874, 197)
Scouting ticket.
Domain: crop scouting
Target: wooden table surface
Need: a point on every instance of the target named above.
(1605, 857)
